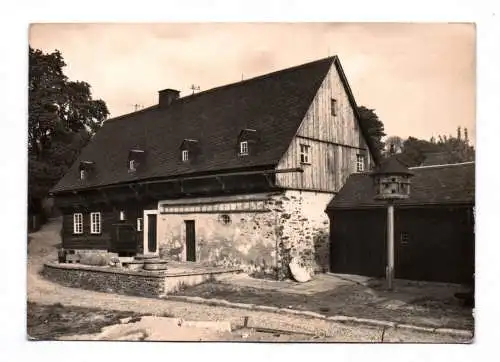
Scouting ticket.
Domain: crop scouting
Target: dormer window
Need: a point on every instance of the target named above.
(86, 168)
(131, 166)
(135, 159)
(190, 149)
(244, 148)
(248, 141)
(185, 155)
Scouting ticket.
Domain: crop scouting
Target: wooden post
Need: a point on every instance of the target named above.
(390, 245)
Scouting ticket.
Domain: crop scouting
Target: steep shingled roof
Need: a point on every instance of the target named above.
(430, 185)
(273, 104)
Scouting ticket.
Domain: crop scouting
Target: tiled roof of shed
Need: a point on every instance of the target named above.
(273, 104)
(430, 185)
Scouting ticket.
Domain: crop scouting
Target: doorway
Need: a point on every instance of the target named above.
(190, 240)
(152, 233)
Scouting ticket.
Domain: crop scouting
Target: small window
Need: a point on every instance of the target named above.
(132, 165)
(405, 238)
(304, 154)
(360, 163)
(95, 223)
(185, 155)
(82, 174)
(244, 148)
(225, 219)
(78, 223)
(122, 215)
(334, 107)
(139, 224)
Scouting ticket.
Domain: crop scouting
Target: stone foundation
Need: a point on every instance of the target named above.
(138, 283)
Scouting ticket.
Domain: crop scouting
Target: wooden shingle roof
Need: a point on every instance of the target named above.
(273, 104)
(430, 185)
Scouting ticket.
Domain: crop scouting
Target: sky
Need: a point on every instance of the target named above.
(420, 78)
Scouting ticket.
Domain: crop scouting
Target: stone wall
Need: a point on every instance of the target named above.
(106, 280)
(303, 228)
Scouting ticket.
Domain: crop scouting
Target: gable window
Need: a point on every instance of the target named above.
(78, 223)
(139, 224)
(185, 155)
(304, 154)
(334, 107)
(82, 174)
(95, 222)
(360, 163)
(244, 148)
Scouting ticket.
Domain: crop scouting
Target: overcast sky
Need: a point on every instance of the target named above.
(419, 78)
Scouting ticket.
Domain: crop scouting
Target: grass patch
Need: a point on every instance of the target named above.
(53, 321)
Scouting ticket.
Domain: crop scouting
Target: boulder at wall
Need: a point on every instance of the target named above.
(299, 273)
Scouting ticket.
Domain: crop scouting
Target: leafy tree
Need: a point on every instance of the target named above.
(449, 149)
(375, 127)
(62, 117)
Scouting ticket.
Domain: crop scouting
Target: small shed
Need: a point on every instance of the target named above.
(433, 228)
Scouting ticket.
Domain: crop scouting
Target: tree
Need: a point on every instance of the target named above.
(449, 149)
(394, 143)
(375, 127)
(62, 117)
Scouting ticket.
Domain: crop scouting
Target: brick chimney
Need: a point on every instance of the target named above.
(167, 96)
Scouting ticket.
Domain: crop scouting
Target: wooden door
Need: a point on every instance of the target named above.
(190, 241)
(152, 233)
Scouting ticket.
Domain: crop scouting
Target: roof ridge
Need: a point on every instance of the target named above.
(443, 165)
(258, 77)
(228, 85)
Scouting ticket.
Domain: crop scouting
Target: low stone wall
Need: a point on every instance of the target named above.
(141, 283)
(147, 284)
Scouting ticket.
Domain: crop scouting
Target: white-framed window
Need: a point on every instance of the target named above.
(244, 148)
(78, 223)
(139, 224)
(122, 215)
(185, 155)
(334, 107)
(305, 154)
(131, 165)
(95, 222)
(360, 163)
(82, 174)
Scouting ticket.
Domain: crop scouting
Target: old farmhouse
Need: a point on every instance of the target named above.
(433, 228)
(236, 175)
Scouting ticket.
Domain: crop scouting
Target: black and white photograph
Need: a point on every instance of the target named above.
(232, 182)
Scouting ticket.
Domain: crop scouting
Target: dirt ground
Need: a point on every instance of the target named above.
(352, 300)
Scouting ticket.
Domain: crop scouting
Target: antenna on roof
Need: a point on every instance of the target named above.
(242, 77)
(194, 88)
(137, 106)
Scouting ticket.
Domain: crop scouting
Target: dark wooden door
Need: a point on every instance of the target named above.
(190, 241)
(152, 233)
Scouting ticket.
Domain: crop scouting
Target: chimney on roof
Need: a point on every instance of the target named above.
(167, 96)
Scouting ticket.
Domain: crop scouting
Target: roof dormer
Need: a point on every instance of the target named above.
(86, 169)
(189, 150)
(136, 159)
(247, 142)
